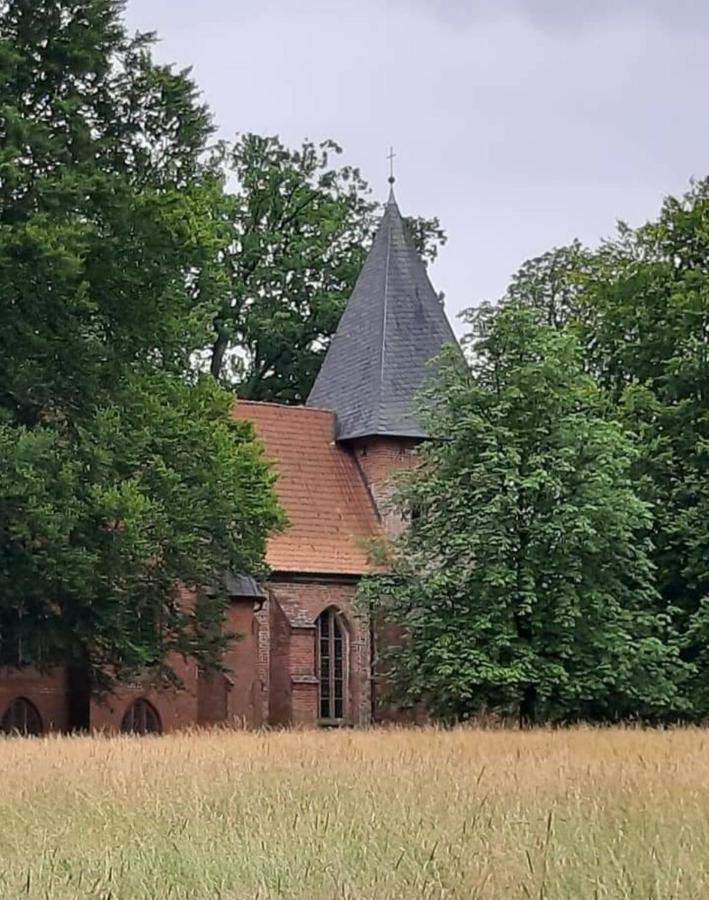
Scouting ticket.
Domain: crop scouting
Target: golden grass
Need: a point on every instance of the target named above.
(374, 814)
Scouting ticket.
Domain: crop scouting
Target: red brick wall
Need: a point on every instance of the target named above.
(263, 624)
(176, 708)
(304, 704)
(237, 697)
(212, 698)
(48, 692)
(244, 701)
(272, 670)
(279, 700)
(234, 697)
(379, 458)
(293, 649)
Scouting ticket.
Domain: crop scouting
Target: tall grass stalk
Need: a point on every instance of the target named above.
(357, 815)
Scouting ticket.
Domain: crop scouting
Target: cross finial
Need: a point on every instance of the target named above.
(391, 157)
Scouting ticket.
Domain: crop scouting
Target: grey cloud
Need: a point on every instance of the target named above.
(673, 14)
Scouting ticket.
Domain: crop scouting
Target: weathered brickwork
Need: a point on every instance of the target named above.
(300, 601)
(279, 709)
(378, 459)
(244, 697)
(47, 691)
(176, 708)
(263, 661)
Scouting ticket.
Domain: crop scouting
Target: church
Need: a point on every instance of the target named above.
(306, 652)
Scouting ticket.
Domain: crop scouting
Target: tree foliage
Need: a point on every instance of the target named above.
(121, 472)
(640, 306)
(524, 582)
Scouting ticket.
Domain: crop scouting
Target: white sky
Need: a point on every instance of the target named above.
(520, 123)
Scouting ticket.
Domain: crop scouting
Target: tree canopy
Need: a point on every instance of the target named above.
(639, 305)
(524, 581)
(122, 473)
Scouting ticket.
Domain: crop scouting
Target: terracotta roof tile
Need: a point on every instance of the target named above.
(321, 488)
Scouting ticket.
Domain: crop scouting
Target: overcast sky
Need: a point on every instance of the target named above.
(520, 123)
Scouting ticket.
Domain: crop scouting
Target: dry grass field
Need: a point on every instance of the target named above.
(398, 814)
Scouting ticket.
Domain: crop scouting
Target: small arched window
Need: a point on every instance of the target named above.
(141, 718)
(332, 667)
(21, 717)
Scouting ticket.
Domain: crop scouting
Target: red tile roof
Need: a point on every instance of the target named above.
(321, 488)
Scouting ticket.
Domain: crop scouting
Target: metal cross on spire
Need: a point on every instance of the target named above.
(391, 157)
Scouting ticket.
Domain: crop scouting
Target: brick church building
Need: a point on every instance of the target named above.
(306, 653)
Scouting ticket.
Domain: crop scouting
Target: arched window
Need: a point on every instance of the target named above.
(332, 666)
(21, 717)
(141, 718)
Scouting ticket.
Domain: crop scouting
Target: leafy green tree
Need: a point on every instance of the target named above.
(524, 582)
(650, 349)
(301, 229)
(122, 474)
(555, 284)
(640, 306)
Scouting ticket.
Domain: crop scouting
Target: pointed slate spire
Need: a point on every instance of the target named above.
(393, 325)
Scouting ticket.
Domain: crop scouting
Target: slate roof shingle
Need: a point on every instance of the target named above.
(393, 326)
(321, 488)
(243, 586)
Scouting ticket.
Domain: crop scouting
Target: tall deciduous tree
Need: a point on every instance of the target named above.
(640, 306)
(524, 582)
(555, 284)
(301, 229)
(650, 348)
(121, 473)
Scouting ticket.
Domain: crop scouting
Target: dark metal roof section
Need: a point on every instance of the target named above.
(392, 327)
(242, 586)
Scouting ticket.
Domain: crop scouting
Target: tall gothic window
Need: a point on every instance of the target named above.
(332, 666)
(141, 718)
(21, 717)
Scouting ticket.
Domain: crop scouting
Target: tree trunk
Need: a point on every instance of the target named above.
(528, 707)
(79, 688)
(218, 351)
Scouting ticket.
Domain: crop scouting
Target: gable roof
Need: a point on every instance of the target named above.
(392, 327)
(321, 488)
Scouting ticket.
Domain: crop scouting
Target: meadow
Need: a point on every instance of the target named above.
(372, 814)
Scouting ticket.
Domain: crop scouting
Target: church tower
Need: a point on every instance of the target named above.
(392, 327)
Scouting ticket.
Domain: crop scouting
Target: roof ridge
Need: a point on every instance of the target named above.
(294, 406)
(387, 264)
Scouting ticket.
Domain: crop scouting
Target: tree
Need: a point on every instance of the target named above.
(651, 351)
(555, 283)
(300, 231)
(640, 306)
(122, 474)
(524, 582)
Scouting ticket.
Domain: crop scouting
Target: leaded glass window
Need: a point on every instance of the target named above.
(332, 666)
(21, 717)
(141, 718)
